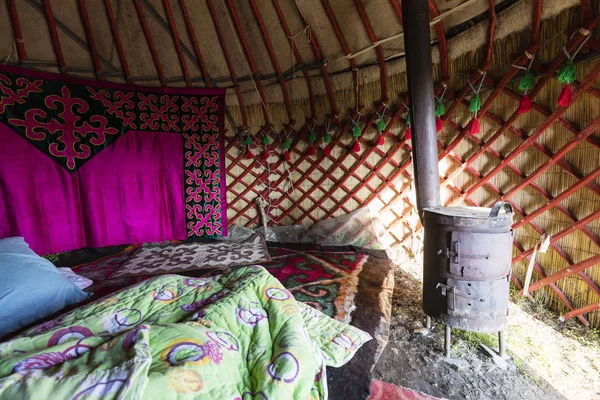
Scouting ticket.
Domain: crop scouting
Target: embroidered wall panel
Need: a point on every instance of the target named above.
(71, 121)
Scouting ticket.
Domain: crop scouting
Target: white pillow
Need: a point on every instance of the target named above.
(81, 281)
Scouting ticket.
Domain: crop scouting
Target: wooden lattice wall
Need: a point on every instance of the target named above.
(546, 163)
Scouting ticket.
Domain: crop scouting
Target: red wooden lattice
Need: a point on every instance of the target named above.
(339, 171)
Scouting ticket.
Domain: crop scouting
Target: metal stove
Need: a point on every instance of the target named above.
(467, 250)
(466, 268)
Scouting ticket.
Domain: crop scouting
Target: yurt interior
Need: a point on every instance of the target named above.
(301, 199)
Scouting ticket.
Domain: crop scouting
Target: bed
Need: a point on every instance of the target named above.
(348, 284)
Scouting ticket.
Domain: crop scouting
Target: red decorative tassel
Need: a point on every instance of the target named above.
(524, 105)
(327, 150)
(475, 127)
(408, 134)
(356, 147)
(566, 96)
(286, 155)
(439, 124)
(249, 155)
(312, 151)
(266, 154)
(380, 140)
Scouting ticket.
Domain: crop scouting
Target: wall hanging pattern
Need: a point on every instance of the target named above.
(72, 121)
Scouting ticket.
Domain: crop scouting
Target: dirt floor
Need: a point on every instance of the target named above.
(550, 360)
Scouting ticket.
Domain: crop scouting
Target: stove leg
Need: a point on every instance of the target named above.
(428, 322)
(502, 344)
(447, 340)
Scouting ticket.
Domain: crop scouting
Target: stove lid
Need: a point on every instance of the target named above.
(467, 216)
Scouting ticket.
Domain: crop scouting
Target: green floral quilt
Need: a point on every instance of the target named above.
(236, 336)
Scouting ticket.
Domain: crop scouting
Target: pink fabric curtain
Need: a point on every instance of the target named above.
(130, 192)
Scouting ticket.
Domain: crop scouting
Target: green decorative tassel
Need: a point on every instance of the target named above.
(247, 140)
(327, 137)
(356, 132)
(312, 137)
(527, 82)
(266, 140)
(475, 104)
(567, 73)
(287, 144)
(408, 119)
(440, 109)
(381, 125)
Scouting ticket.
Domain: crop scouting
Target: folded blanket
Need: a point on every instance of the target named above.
(240, 335)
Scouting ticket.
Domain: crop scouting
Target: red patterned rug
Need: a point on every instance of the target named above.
(386, 391)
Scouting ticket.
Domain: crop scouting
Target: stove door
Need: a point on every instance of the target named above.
(482, 303)
(480, 256)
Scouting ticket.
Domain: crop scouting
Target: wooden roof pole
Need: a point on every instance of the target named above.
(85, 20)
(398, 11)
(16, 28)
(536, 21)
(192, 35)
(297, 55)
(249, 59)
(273, 58)
(117, 39)
(380, 57)
(314, 42)
(342, 40)
(60, 59)
(177, 42)
(422, 106)
(442, 45)
(150, 42)
(236, 85)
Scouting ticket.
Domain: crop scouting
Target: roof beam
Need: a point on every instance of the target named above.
(273, 57)
(177, 41)
(150, 42)
(117, 40)
(192, 35)
(85, 20)
(342, 40)
(380, 57)
(442, 45)
(237, 27)
(236, 85)
(297, 55)
(314, 42)
(16, 28)
(60, 59)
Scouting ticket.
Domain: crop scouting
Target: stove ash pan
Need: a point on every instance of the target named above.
(467, 263)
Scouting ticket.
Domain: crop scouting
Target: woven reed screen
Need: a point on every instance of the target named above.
(546, 163)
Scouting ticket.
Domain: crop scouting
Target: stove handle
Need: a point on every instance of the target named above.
(498, 206)
(447, 252)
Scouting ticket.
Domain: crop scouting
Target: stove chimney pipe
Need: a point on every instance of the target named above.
(417, 44)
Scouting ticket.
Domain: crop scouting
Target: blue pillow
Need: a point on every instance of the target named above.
(31, 287)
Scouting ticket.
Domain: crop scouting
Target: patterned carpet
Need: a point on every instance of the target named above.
(325, 280)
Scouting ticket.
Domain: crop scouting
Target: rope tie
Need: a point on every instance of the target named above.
(531, 58)
(572, 56)
(356, 89)
(13, 50)
(584, 31)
